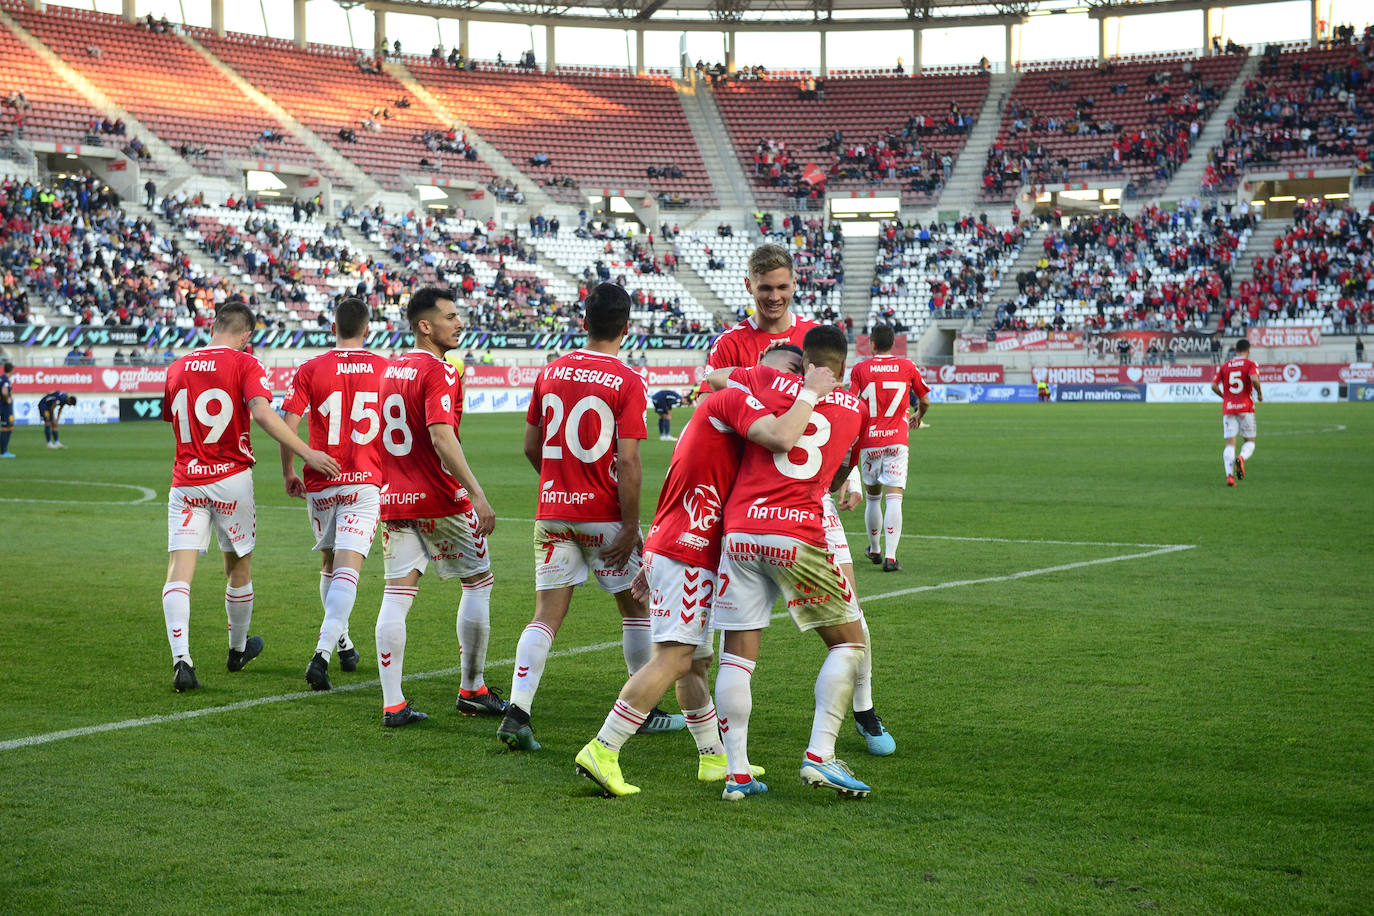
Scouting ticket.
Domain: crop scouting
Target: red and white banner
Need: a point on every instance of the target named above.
(1150, 375)
(524, 376)
(963, 375)
(1265, 336)
(114, 379)
(1019, 340)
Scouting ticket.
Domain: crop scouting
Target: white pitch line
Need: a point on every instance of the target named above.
(50, 737)
(145, 494)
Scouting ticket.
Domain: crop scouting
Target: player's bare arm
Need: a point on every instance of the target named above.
(922, 405)
(629, 476)
(719, 379)
(294, 485)
(849, 495)
(1259, 391)
(780, 433)
(1216, 388)
(276, 427)
(534, 446)
(450, 452)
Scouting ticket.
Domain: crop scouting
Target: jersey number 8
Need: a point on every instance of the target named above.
(810, 445)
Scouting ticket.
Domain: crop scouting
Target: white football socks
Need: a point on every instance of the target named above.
(863, 683)
(238, 604)
(326, 583)
(734, 702)
(705, 729)
(636, 639)
(1247, 449)
(338, 607)
(176, 611)
(873, 521)
(621, 724)
(834, 689)
(391, 643)
(1228, 458)
(530, 655)
(892, 524)
(474, 630)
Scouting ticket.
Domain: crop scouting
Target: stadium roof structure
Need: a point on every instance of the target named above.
(785, 15)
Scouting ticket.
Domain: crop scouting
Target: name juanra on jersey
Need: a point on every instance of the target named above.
(353, 368)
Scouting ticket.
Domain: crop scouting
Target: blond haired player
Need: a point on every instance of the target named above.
(209, 396)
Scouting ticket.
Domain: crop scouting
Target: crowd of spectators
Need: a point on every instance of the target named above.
(1321, 269)
(956, 264)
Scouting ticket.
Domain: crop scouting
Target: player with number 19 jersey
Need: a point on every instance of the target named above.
(206, 400)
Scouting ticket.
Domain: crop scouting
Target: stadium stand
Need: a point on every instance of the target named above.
(1131, 121)
(168, 86)
(1306, 107)
(1321, 273)
(921, 121)
(927, 272)
(1158, 270)
(37, 104)
(600, 129)
(327, 90)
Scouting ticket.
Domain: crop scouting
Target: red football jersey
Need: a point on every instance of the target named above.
(743, 344)
(339, 391)
(584, 402)
(705, 461)
(781, 493)
(419, 390)
(206, 400)
(1237, 391)
(885, 383)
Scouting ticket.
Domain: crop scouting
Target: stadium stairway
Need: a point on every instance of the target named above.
(1261, 245)
(347, 173)
(173, 171)
(1187, 181)
(860, 255)
(1006, 289)
(965, 182)
(206, 262)
(713, 141)
(535, 196)
(705, 296)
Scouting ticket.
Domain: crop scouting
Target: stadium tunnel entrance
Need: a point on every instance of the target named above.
(862, 215)
(1276, 195)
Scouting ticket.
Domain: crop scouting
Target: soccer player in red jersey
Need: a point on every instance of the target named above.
(774, 547)
(582, 434)
(1237, 383)
(772, 284)
(210, 394)
(679, 571)
(339, 390)
(887, 384)
(433, 509)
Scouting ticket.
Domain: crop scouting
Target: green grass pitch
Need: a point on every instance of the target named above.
(1188, 729)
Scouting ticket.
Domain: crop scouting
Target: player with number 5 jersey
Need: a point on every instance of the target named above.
(1237, 383)
(210, 395)
(338, 390)
(433, 509)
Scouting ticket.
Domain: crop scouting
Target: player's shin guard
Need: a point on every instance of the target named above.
(391, 643)
(238, 606)
(1247, 450)
(338, 606)
(873, 521)
(734, 702)
(474, 630)
(176, 611)
(530, 655)
(705, 729)
(621, 723)
(834, 689)
(1228, 459)
(863, 683)
(637, 641)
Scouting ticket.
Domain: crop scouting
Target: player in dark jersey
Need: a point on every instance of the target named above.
(6, 410)
(50, 410)
(664, 401)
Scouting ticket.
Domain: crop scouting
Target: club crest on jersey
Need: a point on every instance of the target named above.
(447, 403)
(703, 507)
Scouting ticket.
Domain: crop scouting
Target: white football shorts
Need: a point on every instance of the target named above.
(757, 569)
(884, 465)
(565, 553)
(225, 506)
(450, 543)
(1238, 424)
(835, 541)
(345, 517)
(680, 599)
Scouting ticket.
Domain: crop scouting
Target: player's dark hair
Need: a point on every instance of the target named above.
(233, 317)
(826, 345)
(9, 366)
(71, 400)
(351, 317)
(788, 348)
(426, 300)
(882, 338)
(608, 311)
(1242, 346)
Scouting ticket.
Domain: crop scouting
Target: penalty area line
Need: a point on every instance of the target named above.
(49, 737)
